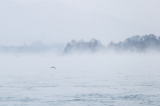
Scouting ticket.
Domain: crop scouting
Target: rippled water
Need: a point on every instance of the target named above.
(77, 86)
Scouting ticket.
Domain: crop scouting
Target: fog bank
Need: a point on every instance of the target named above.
(137, 43)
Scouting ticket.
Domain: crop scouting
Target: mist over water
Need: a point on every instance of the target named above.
(87, 79)
(76, 53)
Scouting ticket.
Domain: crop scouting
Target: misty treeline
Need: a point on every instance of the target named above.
(35, 47)
(80, 46)
(135, 43)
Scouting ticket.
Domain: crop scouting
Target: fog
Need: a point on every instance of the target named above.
(40, 63)
(81, 46)
(105, 52)
(28, 79)
(62, 21)
(34, 47)
(136, 43)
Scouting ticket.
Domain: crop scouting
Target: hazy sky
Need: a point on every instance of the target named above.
(24, 21)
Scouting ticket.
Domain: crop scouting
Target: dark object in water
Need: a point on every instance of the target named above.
(53, 67)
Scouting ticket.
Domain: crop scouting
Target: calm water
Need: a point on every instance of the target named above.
(82, 83)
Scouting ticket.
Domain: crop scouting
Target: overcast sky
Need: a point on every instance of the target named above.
(25, 21)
